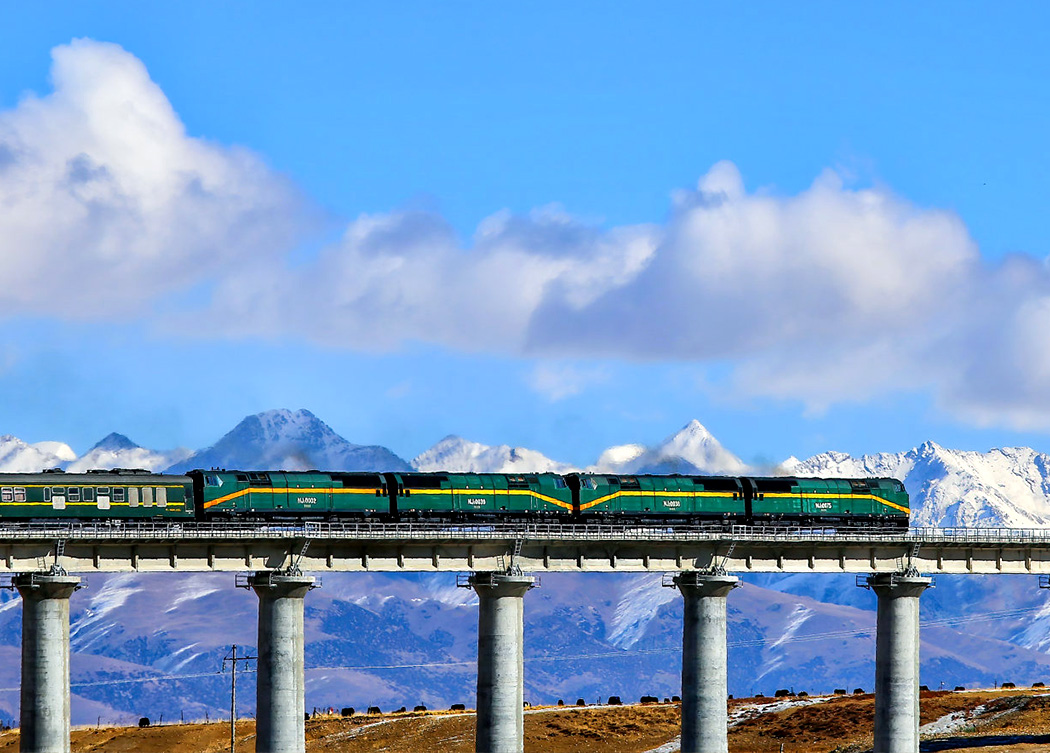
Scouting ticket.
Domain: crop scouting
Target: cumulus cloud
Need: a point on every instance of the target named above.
(106, 203)
(404, 277)
(832, 294)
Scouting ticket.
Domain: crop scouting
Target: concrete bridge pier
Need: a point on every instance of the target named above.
(705, 666)
(44, 710)
(501, 639)
(281, 686)
(897, 660)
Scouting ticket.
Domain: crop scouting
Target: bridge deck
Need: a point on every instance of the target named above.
(547, 547)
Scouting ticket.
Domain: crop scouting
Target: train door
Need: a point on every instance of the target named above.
(749, 497)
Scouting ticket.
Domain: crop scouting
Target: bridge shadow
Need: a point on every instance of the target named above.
(961, 743)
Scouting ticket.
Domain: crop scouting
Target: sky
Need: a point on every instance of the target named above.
(562, 226)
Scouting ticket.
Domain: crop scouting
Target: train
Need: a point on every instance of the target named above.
(261, 496)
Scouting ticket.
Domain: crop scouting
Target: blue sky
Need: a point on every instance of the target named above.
(563, 226)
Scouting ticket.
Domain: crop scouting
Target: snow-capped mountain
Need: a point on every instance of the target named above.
(18, 457)
(117, 451)
(1008, 488)
(782, 628)
(456, 454)
(692, 449)
(290, 440)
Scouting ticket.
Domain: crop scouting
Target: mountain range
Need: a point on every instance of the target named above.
(151, 645)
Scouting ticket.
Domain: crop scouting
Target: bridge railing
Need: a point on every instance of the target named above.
(168, 531)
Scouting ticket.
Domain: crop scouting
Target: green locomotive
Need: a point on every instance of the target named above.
(200, 495)
(288, 494)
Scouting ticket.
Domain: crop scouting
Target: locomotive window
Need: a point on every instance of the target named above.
(212, 480)
(133, 496)
(424, 482)
(20, 494)
(7, 494)
(588, 483)
(74, 494)
(89, 494)
(775, 485)
(162, 497)
(718, 484)
(559, 482)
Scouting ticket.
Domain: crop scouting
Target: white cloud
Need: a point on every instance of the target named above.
(834, 294)
(403, 277)
(829, 295)
(106, 203)
(557, 381)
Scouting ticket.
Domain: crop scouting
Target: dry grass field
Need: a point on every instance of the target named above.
(839, 724)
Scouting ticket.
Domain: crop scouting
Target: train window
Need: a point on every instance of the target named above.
(162, 497)
(7, 494)
(147, 496)
(20, 494)
(118, 494)
(559, 482)
(424, 482)
(103, 490)
(47, 493)
(89, 494)
(775, 485)
(588, 483)
(133, 496)
(57, 490)
(73, 493)
(712, 484)
(212, 480)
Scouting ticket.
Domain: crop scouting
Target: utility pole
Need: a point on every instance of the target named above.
(232, 658)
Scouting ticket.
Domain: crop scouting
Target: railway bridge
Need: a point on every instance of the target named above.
(43, 562)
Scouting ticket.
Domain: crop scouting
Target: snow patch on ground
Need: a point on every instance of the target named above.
(748, 711)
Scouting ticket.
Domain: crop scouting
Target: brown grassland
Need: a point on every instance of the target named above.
(840, 724)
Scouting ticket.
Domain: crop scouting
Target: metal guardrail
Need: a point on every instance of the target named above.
(167, 532)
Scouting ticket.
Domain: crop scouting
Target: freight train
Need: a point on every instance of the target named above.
(200, 495)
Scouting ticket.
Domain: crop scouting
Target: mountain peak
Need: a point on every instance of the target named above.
(114, 441)
(458, 454)
(695, 429)
(692, 449)
(60, 450)
(695, 445)
(290, 440)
